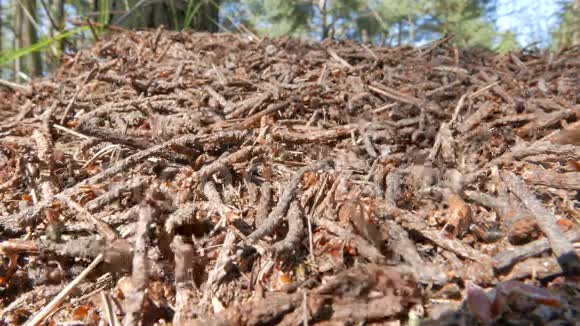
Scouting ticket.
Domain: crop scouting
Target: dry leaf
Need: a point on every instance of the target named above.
(280, 280)
(460, 217)
(80, 312)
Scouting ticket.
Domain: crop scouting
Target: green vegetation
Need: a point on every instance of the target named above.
(9, 56)
(567, 32)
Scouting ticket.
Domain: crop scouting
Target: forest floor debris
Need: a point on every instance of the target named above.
(214, 178)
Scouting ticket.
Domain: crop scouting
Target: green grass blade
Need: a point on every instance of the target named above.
(191, 11)
(103, 15)
(7, 57)
(173, 14)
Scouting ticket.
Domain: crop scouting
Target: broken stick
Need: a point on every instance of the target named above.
(184, 285)
(30, 216)
(513, 255)
(49, 308)
(295, 229)
(569, 180)
(288, 194)
(561, 246)
(140, 274)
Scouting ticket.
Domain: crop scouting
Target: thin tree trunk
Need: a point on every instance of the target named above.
(411, 30)
(60, 21)
(170, 13)
(35, 58)
(400, 33)
(18, 41)
(364, 36)
(323, 14)
(208, 17)
(576, 23)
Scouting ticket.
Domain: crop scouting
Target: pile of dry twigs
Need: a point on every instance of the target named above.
(225, 179)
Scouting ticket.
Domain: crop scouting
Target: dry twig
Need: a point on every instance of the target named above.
(561, 247)
(288, 193)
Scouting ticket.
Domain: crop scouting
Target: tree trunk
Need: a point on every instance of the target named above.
(95, 8)
(61, 16)
(209, 17)
(576, 23)
(400, 33)
(411, 30)
(324, 27)
(34, 59)
(170, 13)
(18, 41)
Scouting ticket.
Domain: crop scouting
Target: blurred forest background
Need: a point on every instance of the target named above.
(36, 35)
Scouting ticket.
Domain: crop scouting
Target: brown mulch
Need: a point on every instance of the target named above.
(173, 177)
